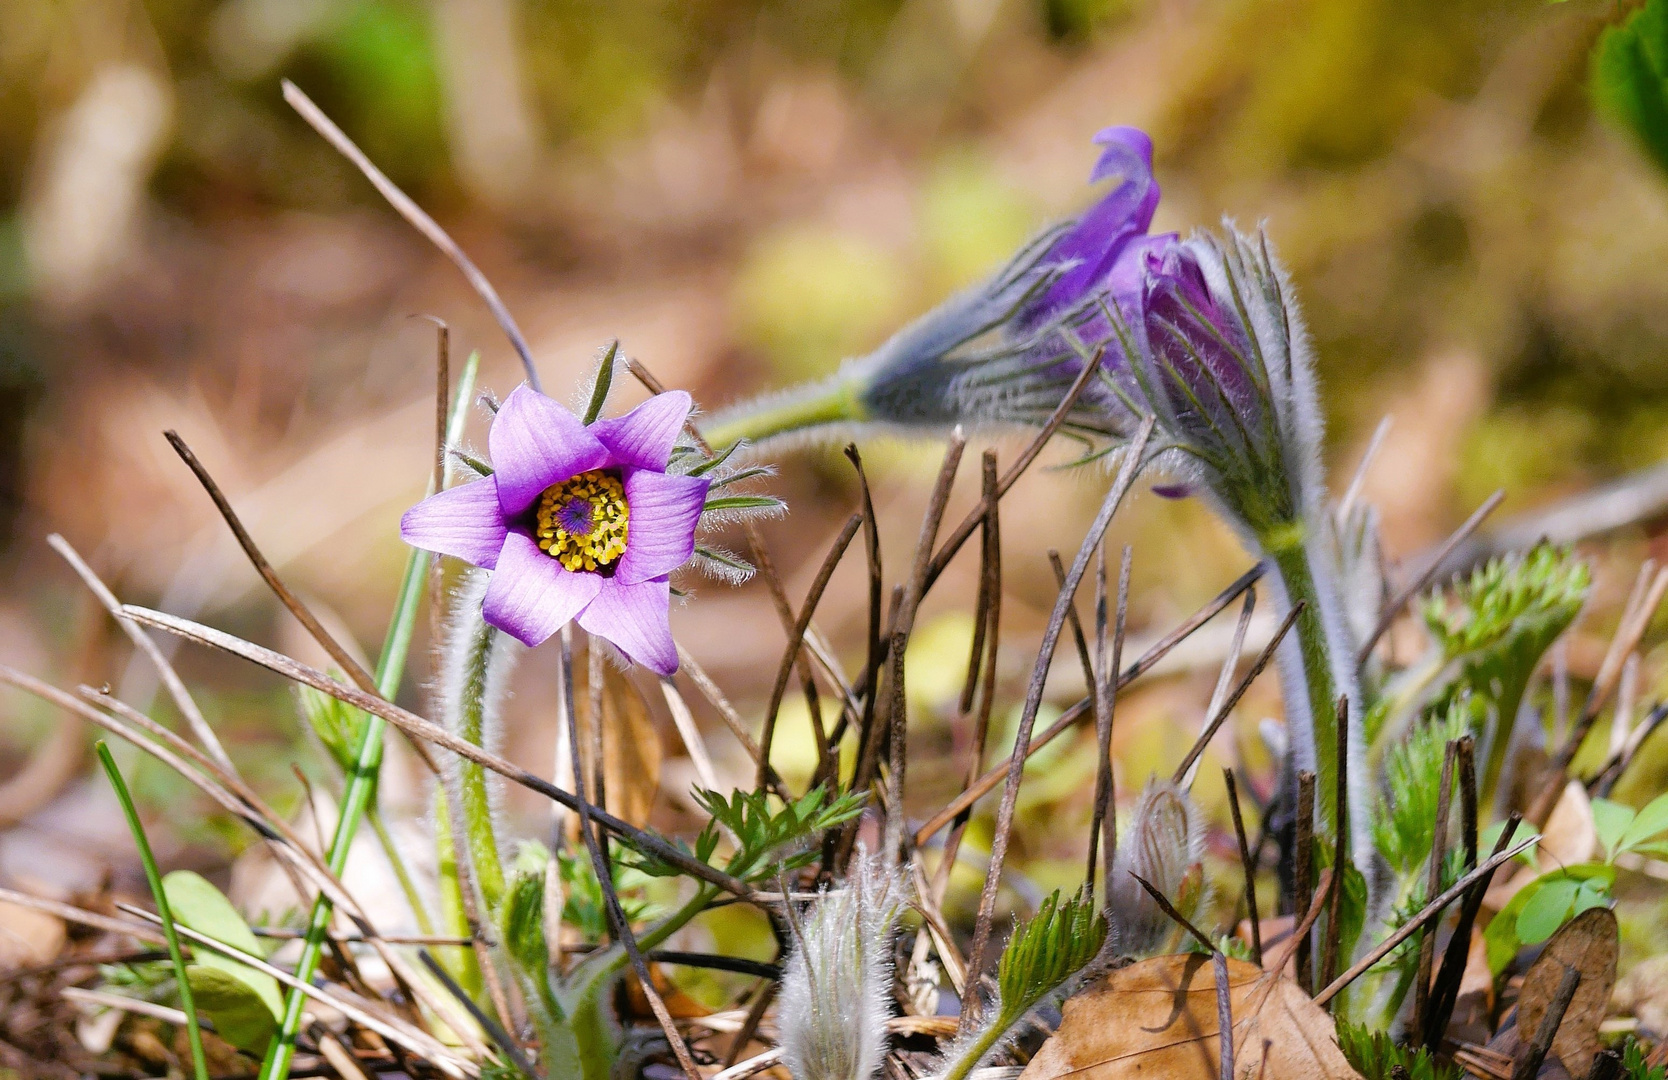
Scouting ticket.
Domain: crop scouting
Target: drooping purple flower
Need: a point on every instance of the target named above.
(574, 522)
(1103, 249)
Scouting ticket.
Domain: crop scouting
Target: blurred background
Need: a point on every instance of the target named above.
(744, 192)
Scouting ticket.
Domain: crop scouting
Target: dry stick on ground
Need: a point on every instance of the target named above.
(419, 728)
(1225, 679)
(442, 417)
(494, 1030)
(1134, 460)
(350, 667)
(1604, 781)
(796, 636)
(982, 661)
(1084, 660)
(898, 712)
(1634, 623)
(988, 782)
(1221, 715)
(1433, 883)
(1529, 1065)
(960, 534)
(710, 690)
(70, 913)
(1249, 866)
(877, 588)
(1414, 587)
(1303, 871)
(165, 671)
(1334, 918)
(605, 877)
(750, 1024)
(1428, 912)
(1445, 990)
(868, 757)
(1224, 1004)
(418, 220)
(1102, 687)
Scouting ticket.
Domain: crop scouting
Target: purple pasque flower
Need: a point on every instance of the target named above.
(574, 522)
(1105, 246)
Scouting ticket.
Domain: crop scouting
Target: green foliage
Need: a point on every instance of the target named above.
(1494, 627)
(584, 907)
(1538, 909)
(339, 726)
(1633, 1063)
(199, 905)
(1630, 77)
(1374, 1054)
(240, 1015)
(1047, 950)
(521, 913)
(1405, 824)
(768, 841)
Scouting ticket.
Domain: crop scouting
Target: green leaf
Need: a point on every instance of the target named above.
(1630, 77)
(241, 1016)
(340, 727)
(1545, 911)
(1650, 821)
(1594, 892)
(1610, 820)
(1376, 1055)
(605, 378)
(1501, 937)
(198, 904)
(743, 502)
(1046, 951)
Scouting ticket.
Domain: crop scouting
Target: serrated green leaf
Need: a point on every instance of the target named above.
(1610, 821)
(240, 1015)
(1045, 951)
(1650, 821)
(196, 903)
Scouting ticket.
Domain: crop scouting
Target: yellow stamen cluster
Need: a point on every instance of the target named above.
(603, 521)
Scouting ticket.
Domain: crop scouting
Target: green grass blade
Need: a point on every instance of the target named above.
(153, 877)
(390, 668)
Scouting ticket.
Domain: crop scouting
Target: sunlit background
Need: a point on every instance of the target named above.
(745, 192)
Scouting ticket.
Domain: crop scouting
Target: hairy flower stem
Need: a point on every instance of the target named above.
(471, 700)
(979, 1044)
(833, 401)
(454, 913)
(1318, 739)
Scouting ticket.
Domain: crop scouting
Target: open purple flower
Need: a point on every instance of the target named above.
(575, 522)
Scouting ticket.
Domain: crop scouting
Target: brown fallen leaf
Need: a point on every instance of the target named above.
(630, 744)
(1157, 1020)
(28, 937)
(1590, 943)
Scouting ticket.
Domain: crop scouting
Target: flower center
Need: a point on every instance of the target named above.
(582, 522)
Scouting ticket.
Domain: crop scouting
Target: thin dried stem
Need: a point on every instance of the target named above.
(1445, 990)
(419, 728)
(1529, 1065)
(1185, 769)
(417, 218)
(1084, 660)
(605, 876)
(796, 636)
(1224, 679)
(897, 737)
(165, 671)
(1414, 587)
(1147, 661)
(1433, 883)
(1304, 870)
(1132, 462)
(1428, 912)
(1249, 866)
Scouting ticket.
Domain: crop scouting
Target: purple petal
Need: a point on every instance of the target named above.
(1173, 491)
(464, 521)
(664, 512)
(644, 436)
(1096, 241)
(535, 442)
(634, 618)
(530, 596)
